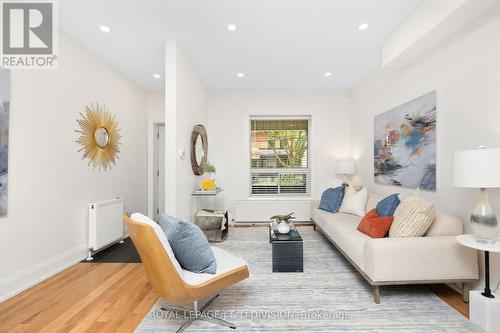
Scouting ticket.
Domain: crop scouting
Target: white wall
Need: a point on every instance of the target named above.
(432, 25)
(229, 133)
(185, 107)
(466, 76)
(155, 105)
(421, 21)
(50, 187)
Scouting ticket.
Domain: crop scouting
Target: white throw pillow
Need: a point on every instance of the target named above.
(354, 202)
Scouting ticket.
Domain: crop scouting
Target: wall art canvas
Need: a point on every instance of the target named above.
(4, 137)
(405, 144)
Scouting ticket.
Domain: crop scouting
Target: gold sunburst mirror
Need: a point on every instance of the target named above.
(99, 136)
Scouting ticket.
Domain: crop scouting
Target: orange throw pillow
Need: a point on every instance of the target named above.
(375, 226)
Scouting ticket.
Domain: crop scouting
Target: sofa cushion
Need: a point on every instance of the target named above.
(388, 205)
(419, 259)
(373, 200)
(445, 224)
(354, 202)
(412, 218)
(331, 199)
(342, 229)
(189, 244)
(374, 225)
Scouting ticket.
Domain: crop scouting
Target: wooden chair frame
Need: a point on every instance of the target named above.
(166, 280)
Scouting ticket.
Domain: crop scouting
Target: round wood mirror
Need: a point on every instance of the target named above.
(199, 149)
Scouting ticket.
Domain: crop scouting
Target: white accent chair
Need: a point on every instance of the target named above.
(178, 286)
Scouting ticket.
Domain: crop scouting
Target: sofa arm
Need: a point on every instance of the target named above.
(419, 259)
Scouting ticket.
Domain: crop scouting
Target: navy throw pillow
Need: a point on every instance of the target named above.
(388, 205)
(331, 199)
(189, 244)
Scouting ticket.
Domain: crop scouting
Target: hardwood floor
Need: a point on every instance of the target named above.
(451, 297)
(83, 298)
(103, 298)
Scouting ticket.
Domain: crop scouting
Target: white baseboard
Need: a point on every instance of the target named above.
(29, 276)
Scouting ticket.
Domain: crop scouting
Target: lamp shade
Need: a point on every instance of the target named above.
(478, 168)
(345, 167)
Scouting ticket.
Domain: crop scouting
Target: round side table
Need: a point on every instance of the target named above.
(472, 242)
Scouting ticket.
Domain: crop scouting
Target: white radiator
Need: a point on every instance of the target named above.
(260, 210)
(105, 224)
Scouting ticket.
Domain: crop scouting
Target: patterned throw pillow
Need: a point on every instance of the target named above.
(331, 199)
(412, 218)
(189, 244)
(388, 205)
(374, 225)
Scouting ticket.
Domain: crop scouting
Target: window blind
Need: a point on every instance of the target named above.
(279, 157)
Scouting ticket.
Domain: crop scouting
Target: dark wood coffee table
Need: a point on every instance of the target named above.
(288, 250)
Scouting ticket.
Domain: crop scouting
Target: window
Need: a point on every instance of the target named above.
(279, 156)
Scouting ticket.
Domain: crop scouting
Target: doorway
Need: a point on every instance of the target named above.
(156, 170)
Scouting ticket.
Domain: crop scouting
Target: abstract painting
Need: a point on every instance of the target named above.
(405, 144)
(4, 137)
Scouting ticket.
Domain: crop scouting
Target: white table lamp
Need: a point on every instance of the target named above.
(479, 168)
(345, 168)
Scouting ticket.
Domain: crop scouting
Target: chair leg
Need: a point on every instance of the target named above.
(218, 321)
(177, 309)
(211, 318)
(186, 324)
(200, 315)
(376, 294)
(174, 309)
(209, 302)
(465, 292)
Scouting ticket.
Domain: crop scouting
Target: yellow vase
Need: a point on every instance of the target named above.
(208, 184)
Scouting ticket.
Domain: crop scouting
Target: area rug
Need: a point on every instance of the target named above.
(330, 296)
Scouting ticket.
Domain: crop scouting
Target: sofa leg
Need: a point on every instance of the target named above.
(465, 292)
(376, 294)
(314, 226)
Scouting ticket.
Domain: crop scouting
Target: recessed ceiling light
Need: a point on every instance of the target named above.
(156, 76)
(104, 28)
(240, 75)
(363, 26)
(327, 74)
(231, 27)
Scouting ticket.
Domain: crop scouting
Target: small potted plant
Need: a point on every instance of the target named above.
(283, 222)
(209, 170)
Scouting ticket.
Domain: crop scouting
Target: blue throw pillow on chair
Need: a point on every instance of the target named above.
(388, 205)
(331, 199)
(189, 244)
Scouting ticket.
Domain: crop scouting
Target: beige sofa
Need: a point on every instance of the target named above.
(434, 258)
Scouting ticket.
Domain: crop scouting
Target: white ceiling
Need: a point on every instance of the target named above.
(279, 44)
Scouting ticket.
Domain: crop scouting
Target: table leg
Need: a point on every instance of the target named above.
(487, 290)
